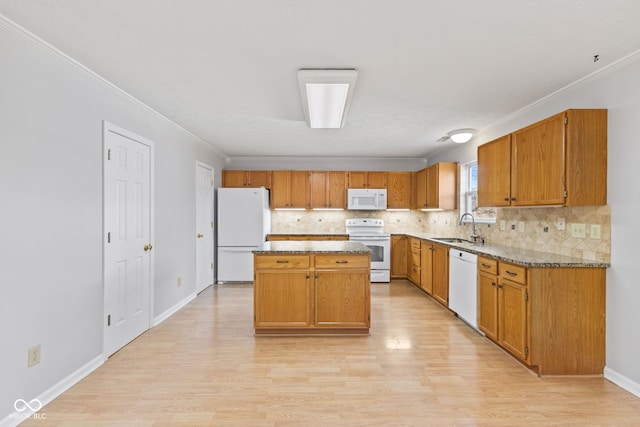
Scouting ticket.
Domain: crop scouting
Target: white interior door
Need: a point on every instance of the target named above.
(127, 227)
(204, 226)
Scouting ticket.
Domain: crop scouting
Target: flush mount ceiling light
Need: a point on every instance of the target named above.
(326, 94)
(460, 136)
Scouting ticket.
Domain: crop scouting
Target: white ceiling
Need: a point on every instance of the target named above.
(226, 69)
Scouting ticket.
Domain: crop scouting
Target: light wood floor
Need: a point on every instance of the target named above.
(419, 367)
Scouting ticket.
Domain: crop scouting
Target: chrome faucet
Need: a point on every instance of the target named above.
(474, 236)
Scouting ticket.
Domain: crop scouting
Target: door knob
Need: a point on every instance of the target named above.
(199, 236)
(147, 248)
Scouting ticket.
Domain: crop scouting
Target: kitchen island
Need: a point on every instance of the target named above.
(312, 288)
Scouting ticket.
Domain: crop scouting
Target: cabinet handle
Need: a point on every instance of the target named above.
(506, 199)
(513, 199)
(342, 262)
(511, 273)
(486, 265)
(500, 286)
(282, 261)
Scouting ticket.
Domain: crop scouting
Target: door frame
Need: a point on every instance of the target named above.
(110, 127)
(213, 219)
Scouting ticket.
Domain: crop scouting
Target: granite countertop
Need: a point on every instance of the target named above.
(524, 257)
(301, 247)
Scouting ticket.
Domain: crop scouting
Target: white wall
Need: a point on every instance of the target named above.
(51, 114)
(617, 90)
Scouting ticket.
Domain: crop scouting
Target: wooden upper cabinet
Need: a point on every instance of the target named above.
(399, 190)
(537, 171)
(290, 189)
(494, 173)
(242, 178)
(561, 160)
(436, 186)
(359, 179)
(328, 189)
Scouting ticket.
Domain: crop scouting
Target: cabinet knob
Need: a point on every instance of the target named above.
(513, 199)
(506, 199)
(493, 283)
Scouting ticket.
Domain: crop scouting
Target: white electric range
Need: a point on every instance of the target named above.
(370, 232)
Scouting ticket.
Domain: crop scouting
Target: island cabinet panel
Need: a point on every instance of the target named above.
(283, 299)
(342, 298)
(312, 294)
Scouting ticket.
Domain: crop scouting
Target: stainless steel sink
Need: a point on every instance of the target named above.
(451, 239)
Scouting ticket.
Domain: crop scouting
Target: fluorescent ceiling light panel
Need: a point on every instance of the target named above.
(326, 95)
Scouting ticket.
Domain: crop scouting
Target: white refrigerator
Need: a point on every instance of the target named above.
(244, 220)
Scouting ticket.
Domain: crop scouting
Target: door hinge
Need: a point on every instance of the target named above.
(566, 120)
(109, 154)
(212, 182)
(109, 237)
(211, 266)
(211, 224)
(526, 351)
(109, 320)
(526, 296)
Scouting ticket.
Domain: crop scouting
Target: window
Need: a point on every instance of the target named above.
(469, 194)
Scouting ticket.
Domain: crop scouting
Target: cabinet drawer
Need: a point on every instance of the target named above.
(488, 265)
(415, 243)
(414, 257)
(513, 272)
(283, 261)
(342, 261)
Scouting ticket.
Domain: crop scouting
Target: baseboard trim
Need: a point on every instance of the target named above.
(172, 310)
(622, 381)
(45, 398)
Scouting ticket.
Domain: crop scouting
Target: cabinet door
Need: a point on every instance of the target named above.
(233, 179)
(494, 173)
(376, 180)
(488, 305)
(282, 299)
(441, 274)
(426, 265)
(279, 189)
(442, 181)
(342, 298)
(337, 190)
(299, 189)
(257, 179)
(432, 187)
(421, 189)
(398, 256)
(512, 326)
(399, 190)
(357, 179)
(538, 163)
(318, 194)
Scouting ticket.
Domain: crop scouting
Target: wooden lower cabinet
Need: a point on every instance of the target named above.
(440, 274)
(399, 256)
(414, 271)
(551, 318)
(312, 294)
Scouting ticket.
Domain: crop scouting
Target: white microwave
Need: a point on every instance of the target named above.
(367, 199)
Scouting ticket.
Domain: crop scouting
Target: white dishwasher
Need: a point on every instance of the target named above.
(463, 286)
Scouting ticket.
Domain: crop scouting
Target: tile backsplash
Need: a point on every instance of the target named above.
(541, 227)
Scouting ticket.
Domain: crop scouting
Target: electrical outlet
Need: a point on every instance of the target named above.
(513, 226)
(34, 356)
(561, 224)
(521, 226)
(595, 231)
(579, 231)
(503, 225)
(179, 281)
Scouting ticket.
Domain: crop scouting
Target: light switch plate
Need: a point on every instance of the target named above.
(595, 231)
(503, 225)
(521, 226)
(579, 231)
